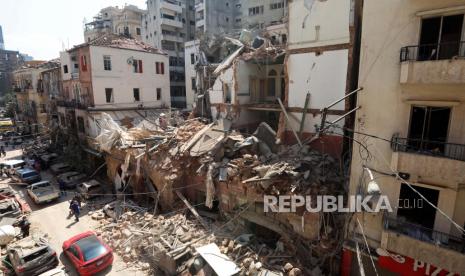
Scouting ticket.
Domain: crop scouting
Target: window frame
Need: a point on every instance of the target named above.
(112, 97)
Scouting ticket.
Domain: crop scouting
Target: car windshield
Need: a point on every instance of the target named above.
(35, 255)
(91, 247)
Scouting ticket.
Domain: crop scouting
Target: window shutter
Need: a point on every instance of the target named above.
(162, 65)
(140, 66)
(157, 67)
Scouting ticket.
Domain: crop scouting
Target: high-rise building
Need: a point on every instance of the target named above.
(2, 44)
(167, 25)
(113, 20)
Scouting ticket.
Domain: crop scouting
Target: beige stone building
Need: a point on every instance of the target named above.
(412, 70)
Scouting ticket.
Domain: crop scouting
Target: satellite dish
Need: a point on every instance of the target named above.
(130, 60)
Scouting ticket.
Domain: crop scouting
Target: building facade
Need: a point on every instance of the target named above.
(411, 70)
(35, 85)
(166, 26)
(9, 61)
(113, 20)
(111, 74)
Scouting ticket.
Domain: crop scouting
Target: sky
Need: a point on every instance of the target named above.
(43, 28)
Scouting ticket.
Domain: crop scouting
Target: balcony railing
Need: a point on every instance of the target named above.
(426, 147)
(424, 234)
(439, 51)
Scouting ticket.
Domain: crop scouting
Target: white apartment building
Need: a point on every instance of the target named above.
(111, 74)
(167, 25)
(412, 71)
(114, 20)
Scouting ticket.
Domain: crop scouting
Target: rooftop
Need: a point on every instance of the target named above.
(119, 42)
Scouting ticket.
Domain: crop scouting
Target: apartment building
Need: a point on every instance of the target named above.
(35, 84)
(217, 17)
(166, 26)
(114, 74)
(258, 14)
(412, 71)
(125, 21)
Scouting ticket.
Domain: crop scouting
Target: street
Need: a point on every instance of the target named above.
(53, 221)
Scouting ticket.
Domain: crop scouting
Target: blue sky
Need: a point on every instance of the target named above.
(41, 28)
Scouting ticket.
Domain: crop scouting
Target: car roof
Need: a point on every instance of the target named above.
(91, 183)
(13, 162)
(25, 170)
(27, 250)
(68, 173)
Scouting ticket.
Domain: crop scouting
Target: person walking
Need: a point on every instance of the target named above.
(24, 225)
(75, 209)
(62, 186)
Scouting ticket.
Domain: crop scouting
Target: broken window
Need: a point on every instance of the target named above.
(192, 58)
(158, 94)
(109, 95)
(107, 63)
(137, 66)
(428, 128)
(256, 10)
(413, 209)
(440, 37)
(65, 69)
(272, 83)
(137, 31)
(136, 94)
(227, 93)
(80, 121)
(193, 84)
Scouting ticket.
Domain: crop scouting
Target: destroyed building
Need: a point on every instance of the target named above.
(262, 76)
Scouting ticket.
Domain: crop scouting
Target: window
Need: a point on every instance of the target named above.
(275, 6)
(136, 94)
(83, 63)
(80, 121)
(256, 10)
(65, 69)
(192, 23)
(415, 210)
(107, 63)
(137, 31)
(238, 20)
(272, 83)
(137, 66)
(109, 95)
(440, 37)
(193, 83)
(227, 4)
(192, 58)
(429, 127)
(158, 94)
(227, 19)
(160, 68)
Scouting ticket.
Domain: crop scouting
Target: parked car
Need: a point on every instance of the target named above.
(71, 179)
(27, 175)
(42, 192)
(60, 168)
(32, 261)
(55, 272)
(12, 165)
(47, 159)
(88, 253)
(90, 189)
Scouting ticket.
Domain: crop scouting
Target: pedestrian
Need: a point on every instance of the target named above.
(62, 186)
(24, 225)
(75, 209)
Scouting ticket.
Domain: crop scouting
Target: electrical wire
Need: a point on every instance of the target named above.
(367, 246)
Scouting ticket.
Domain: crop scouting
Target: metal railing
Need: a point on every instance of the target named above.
(418, 232)
(426, 147)
(438, 51)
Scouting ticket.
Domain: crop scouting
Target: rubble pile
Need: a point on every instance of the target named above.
(168, 243)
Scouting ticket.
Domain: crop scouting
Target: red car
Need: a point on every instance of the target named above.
(88, 253)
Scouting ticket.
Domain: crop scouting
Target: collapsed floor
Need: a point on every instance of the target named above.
(222, 177)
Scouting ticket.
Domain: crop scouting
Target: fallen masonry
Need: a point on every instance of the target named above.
(218, 177)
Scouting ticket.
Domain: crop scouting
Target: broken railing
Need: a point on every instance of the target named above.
(426, 147)
(401, 226)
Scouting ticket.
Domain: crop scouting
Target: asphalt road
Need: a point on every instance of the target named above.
(53, 220)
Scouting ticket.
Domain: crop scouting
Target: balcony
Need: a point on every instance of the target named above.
(200, 22)
(171, 22)
(433, 162)
(199, 6)
(174, 38)
(75, 75)
(171, 6)
(433, 63)
(423, 244)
